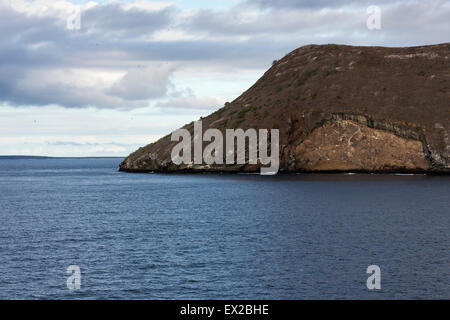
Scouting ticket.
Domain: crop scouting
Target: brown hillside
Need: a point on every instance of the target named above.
(339, 108)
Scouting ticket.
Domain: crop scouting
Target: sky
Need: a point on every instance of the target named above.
(131, 72)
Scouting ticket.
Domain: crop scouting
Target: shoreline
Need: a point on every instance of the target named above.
(334, 172)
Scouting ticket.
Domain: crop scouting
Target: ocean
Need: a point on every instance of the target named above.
(218, 236)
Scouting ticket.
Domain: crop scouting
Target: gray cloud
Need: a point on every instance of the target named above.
(314, 4)
(115, 20)
(144, 83)
(277, 23)
(296, 3)
(289, 20)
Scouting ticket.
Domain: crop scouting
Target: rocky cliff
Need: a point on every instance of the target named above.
(338, 108)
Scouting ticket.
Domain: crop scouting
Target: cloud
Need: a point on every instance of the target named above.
(293, 3)
(90, 144)
(144, 83)
(277, 24)
(314, 4)
(41, 60)
(325, 21)
(121, 20)
(205, 103)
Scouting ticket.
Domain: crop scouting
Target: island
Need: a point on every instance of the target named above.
(338, 108)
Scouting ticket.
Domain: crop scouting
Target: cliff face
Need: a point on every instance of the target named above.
(339, 108)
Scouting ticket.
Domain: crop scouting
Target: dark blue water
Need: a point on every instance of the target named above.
(219, 236)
